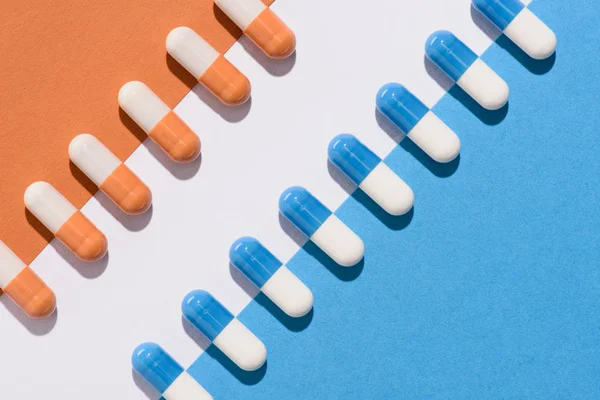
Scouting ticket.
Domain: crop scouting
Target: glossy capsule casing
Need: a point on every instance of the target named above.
(417, 122)
(23, 286)
(273, 278)
(111, 176)
(165, 375)
(370, 174)
(465, 68)
(65, 221)
(321, 226)
(520, 25)
(225, 331)
(159, 122)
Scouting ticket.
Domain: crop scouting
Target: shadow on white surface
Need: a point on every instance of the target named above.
(133, 223)
(273, 67)
(197, 336)
(231, 114)
(144, 386)
(89, 270)
(437, 74)
(342, 180)
(37, 327)
(484, 24)
(242, 281)
(181, 171)
(292, 231)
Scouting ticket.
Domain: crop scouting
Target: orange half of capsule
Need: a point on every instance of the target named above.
(271, 35)
(226, 82)
(83, 238)
(127, 190)
(176, 138)
(31, 294)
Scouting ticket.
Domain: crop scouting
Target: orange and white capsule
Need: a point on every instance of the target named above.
(261, 25)
(158, 121)
(65, 221)
(111, 176)
(23, 286)
(211, 69)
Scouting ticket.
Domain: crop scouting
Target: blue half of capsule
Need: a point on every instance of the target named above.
(352, 157)
(155, 365)
(303, 209)
(499, 12)
(204, 312)
(449, 53)
(400, 106)
(254, 260)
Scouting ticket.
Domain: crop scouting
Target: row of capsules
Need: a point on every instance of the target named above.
(370, 174)
(162, 125)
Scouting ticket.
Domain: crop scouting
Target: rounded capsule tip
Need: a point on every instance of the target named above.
(128, 92)
(240, 244)
(176, 36)
(289, 194)
(340, 140)
(143, 353)
(41, 305)
(35, 190)
(437, 42)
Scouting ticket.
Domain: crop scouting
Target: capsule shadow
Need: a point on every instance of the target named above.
(39, 227)
(202, 341)
(227, 23)
(180, 72)
(273, 67)
(292, 231)
(242, 281)
(346, 274)
(37, 327)
(89, 270)
(248, 378)
(395, 223)
(133, 223)
(291, 323)
(145, 387)
(337, 175)
(231, 114)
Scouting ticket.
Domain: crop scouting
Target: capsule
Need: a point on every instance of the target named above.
(469, 72)
(520, 25)
(273, 278)
(23, 286)
(165, 375)
(224, 330)
(417, 122)
(65, 221)
(111, 176)
(158, 121)
(261, 25)
(370, 174)
(321, 226)
(211, 69)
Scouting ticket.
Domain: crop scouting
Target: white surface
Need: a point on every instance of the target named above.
(242, 12)
(93, 158)
(190, 50)
(533, 36)
(250, 155)
(186, 388)
(10, 265)
(434, 137)
(388, 190)
(48, 205)
(142, 105)
(288, 292)
(241, 346)
(339, 242)
(484, 85)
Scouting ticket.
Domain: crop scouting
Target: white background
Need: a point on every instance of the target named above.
(346, 51)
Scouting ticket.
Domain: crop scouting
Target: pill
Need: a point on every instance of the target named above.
(520, 25)
(211, 69)
(321, 226)
(417, 122)
(165, 375)
(23, 286)
(111, 176)
(225, 331)
(65, 221)
(261, 25)
(469, 72)
(159, 122)
(273, 278)
(370, 174)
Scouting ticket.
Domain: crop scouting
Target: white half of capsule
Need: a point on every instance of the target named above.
(184, 387)
(93, 158)
(388, 190)
(533, 36)
(484, 85)
(242, 12)
(48, 205)
(10, 265)
(339, 242)
(191, 51)
(435, 138)
(289, 293)
(241, 346)
(142, 105)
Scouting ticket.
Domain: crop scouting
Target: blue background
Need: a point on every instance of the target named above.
(491, 287)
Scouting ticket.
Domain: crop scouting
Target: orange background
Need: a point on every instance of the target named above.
(62, 65)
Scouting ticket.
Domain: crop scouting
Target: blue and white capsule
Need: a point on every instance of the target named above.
(165, 375)
(273, 278)
(465, 68)
(225, 331)
(520, 25)
(418, 122)
(371, 174)
(321, 226)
